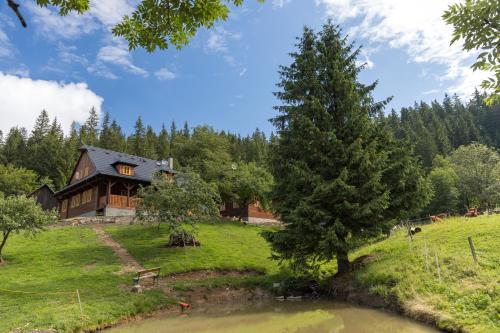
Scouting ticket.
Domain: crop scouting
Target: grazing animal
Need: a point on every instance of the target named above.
(415, 230)
(472, 213)
(435, 218)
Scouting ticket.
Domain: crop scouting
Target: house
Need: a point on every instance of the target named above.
(104, 182)
(44, 195)
(252, 213)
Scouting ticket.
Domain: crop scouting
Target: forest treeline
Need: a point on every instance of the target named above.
(440, 128)
(50, 153)
(435, 131)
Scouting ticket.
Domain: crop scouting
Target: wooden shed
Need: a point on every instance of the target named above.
(44, 195)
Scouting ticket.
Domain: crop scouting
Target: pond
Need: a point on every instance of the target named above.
(279, 317)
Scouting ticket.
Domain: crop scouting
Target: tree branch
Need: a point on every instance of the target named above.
(15, 7)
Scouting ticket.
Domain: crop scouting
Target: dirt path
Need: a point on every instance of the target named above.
(129, 264)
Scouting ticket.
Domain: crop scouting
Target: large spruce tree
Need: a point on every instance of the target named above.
(329, 160)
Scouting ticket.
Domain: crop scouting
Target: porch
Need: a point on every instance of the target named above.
(117, 194)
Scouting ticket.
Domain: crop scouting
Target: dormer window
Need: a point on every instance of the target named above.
(126, 170)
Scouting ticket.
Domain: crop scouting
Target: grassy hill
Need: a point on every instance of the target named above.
(39, 280)
(462, 294)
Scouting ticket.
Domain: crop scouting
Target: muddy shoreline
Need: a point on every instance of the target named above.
(230, 298)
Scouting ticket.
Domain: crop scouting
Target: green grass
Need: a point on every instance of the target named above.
(224, 245)
(66, 259)
(467, 295)
(63, 260)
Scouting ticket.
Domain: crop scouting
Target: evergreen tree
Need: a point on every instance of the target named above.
(2, 144)
(185, 130)
(41, 128)
(14, 149)
(70, 154)
(163, 144)
(89, 132)
(105, 134)
(117, 141)
(173, 136)
(328, 160)
(150, 144)
(135, 146)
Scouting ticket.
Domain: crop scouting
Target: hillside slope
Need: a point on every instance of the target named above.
(460, 295)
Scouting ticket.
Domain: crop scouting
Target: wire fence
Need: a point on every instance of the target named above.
(69, 301)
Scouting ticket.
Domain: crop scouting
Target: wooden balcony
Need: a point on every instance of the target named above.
(121, 201)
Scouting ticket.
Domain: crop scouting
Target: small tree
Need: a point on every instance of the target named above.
(478, 169)
(15, 181)
(249, 183)
(21, 214)
(183, 200)
(444, 181)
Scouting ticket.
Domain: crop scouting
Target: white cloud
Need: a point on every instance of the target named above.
(431, 92)
(5, 45)
(414, 26)
(110, 12)
(218, 38)
(217, 43)
(164, 74)
(243, 71)
(279, 3)
(53, 26)
(365, 59)
(22, 99)
(117, 53)
(102, 14)
(69, 55)
(22, 70)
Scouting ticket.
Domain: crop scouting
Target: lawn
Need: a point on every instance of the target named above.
(224, 245)
(61, 260)
(45, 273)
(467, 295)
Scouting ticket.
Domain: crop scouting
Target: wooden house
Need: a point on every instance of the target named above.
(252, 213)
(44, 195)
(104, 182)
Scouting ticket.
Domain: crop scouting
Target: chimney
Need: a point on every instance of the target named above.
(171, 163)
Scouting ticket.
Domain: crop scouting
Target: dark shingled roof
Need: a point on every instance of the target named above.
(105, 160)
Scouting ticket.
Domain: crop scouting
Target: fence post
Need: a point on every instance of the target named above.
(472, 250)
(79, 302)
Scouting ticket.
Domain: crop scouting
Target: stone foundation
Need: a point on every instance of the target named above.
(85, 220)
(262, 221)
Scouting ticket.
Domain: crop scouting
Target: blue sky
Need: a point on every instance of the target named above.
(225, 77)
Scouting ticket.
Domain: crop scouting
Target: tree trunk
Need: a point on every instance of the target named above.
(343, 263)
(4, 241)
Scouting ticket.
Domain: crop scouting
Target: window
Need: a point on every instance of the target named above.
(235, 205)
(222, 207)
(75, 201)
(64, 206)
(86, 172)
(87, 196)
(126, 170)
(77, 175)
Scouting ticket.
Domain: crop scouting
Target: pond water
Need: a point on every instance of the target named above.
(280, 317)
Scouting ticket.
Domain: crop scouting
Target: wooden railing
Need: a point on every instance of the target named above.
(121, 201)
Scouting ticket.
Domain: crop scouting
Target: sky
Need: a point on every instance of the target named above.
(226, 76)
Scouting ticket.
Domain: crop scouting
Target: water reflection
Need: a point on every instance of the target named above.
(300, 317)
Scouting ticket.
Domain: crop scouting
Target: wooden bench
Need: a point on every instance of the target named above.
(153, 273)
